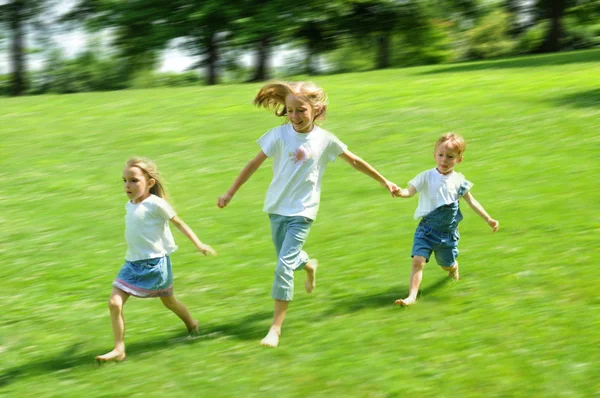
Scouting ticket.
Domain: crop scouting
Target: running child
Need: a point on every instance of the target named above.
(301, 151)
(147, 269)
(440, 190)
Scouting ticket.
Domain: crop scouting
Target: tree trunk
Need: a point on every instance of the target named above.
(17, 55)
(309, 70)
(262, 60)
(383, 51)
(213, 57)
(552, 41)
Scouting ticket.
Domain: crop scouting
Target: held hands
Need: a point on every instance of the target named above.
(224, 200)
(495, 224)
(392, 188)
(206, 250)
(403, 193)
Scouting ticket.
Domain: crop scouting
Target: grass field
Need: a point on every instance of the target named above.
(523, 322)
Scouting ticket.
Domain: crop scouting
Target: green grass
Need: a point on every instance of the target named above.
(523, 322)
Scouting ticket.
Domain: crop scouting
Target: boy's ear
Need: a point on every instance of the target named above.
(151, 182)
(460, 159)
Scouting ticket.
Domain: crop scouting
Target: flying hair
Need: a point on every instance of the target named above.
(150, 170)
(272, 97)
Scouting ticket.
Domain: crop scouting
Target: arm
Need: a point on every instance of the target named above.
(407, 193)
(187, 231)
(364, 167)
(244, 175)
(478, 208)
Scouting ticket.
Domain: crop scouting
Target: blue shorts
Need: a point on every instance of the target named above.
(443, 243)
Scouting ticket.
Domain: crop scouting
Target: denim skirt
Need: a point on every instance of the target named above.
(146, 278)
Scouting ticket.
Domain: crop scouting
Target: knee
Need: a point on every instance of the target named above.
(115, 304)
(418, 263)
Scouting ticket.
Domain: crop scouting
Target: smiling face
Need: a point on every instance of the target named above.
(446, 157)
(300, 113)
(137, 186)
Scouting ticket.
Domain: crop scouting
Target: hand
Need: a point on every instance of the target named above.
(224, 200)
(392, 188)
(206, 250)
(495, 224)
(403, 193)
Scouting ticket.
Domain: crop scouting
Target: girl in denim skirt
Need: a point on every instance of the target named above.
(301, 151)
(147, 269)
(440, 190)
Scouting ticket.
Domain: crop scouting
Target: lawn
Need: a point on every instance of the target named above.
(523, 321)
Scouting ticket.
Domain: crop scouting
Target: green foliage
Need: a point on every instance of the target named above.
(578, 36)
(490, 38)
(351, 56)
(4, 85)
(86, 72)
(532, 38)
(152, 79)
(430, 44)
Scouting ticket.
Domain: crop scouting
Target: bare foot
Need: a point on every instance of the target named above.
(454, 273)
(195, 330)
(311, 275)
(113, 356)
(406, 302)
(271, 339)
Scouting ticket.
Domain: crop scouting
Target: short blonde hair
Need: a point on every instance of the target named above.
(272, 96)
(454, 141)
(150, 170)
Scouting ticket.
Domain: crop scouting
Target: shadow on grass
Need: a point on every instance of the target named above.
(584, 99)
(73, 356)
(383, 299)
(533, 61)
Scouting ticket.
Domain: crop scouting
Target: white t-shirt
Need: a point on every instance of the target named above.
(299, 161)
(147, 229)
(436, 189)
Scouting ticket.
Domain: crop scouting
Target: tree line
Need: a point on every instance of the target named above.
(347, 34)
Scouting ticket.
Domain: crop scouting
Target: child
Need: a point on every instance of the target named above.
(300, 152)
(147, 268)
(439, 192)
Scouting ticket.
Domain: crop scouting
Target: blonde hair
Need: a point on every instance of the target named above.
(272, 97)
(150, 170)
(453, 141)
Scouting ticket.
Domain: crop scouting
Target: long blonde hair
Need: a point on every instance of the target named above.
(150, 170)
(272, 97)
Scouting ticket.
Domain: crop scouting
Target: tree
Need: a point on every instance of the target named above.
(374, 22)
(145, 27)
(19, 16)
(553, 10)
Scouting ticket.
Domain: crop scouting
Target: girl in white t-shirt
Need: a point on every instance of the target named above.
(301, 151)
(440, 190)
(147, 269)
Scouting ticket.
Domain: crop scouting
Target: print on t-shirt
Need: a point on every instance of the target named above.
(301, 155)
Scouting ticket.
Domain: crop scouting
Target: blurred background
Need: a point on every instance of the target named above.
(68, 46)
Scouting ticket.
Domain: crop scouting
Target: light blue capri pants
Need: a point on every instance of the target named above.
(289, 235)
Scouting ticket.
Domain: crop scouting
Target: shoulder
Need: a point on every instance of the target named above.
(157, 201)
(280, 130)
(459, 176)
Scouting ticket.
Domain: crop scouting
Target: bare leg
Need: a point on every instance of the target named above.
(416, 276)
(115, 304)
(182, 312)
(311, 275)
(272, 338)
(452, 271)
